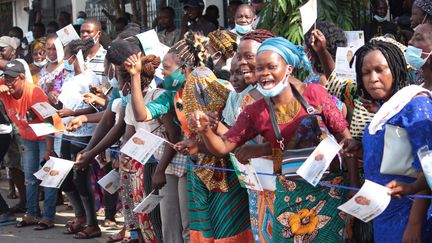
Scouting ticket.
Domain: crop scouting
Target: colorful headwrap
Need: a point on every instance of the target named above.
(425, 5)
(292, 54)
(223, 41)
(203, 91)
(38, 44)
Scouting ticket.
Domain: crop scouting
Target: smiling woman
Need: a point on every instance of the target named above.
(276, 59)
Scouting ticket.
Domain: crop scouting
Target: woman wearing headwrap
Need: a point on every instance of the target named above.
(302, 213)
(39, 58)
(222, 46)
(421, 12)
(222, 202)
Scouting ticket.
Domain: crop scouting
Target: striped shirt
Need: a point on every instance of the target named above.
(96, 64)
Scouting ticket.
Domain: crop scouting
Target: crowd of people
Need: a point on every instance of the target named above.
(240, 90)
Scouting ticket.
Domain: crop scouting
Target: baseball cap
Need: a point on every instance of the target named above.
(8, 41)
(193, 3)
(14, 68)
(119, 50)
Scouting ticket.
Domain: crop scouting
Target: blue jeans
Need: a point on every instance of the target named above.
(33, 152)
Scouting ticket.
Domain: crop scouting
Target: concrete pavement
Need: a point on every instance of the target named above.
(11, 234)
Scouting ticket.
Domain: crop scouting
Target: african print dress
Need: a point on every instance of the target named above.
(218, 205)
(302, 213)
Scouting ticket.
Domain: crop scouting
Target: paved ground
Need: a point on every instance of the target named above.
(11, 234)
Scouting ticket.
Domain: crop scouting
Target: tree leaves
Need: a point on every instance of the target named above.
(283, 16)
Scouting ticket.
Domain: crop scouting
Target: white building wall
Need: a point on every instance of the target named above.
(21, 17)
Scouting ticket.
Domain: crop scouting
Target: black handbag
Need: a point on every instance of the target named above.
(293, 158)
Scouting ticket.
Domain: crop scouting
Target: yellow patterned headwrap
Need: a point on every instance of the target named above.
(223, 41)
(203, 91)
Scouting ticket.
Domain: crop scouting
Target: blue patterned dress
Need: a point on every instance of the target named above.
(416, 118)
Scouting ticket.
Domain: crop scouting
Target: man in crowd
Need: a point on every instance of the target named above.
(194, 19)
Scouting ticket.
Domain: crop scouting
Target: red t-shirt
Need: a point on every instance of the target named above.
(17, 108)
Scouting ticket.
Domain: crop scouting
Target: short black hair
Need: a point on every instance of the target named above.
(18, 32)
(168, 10)
(54, 25)
(395, 59)
(335, 37)
(122, 20)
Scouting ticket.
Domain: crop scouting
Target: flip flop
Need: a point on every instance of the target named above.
(23, 223)
(43, 226)
(115, 237)
(84, 235)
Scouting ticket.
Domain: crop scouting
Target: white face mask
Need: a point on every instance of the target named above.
(96, 39)
(41, 63)
(51, 61)
(379, 19)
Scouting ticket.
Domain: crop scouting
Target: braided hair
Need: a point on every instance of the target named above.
(395, 59)
(191, 50)
(75, 46)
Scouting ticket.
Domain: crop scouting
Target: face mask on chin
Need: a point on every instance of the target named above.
(275, 91)
(379, 19)
(243, 29)
(41, 63)
(51, 61)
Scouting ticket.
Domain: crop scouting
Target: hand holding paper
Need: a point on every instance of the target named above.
(148, 204)
(368, 203)
(309, 15)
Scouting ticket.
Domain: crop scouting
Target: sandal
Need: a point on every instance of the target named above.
(24, 223)
(86, 235)
(115, 237)
(110, 224)
(70, 229)
(43, 226)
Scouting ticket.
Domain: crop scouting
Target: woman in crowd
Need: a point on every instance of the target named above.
(215, 187)
(222, 47)
(382, 74)
(170, 179)
(38, 52)
(419, 54)
(77, 186)
(18, 96)
(315, 207)
(53, 73)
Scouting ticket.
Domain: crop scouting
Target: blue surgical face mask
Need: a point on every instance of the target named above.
(243, 29)
(68, 67)
(175, 80)
(275, 91)
(125, 98)
(379, 19)
(80, 21)
(113, 82)
(413, 57)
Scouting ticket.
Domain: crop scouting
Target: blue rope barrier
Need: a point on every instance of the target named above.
(232, 170)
